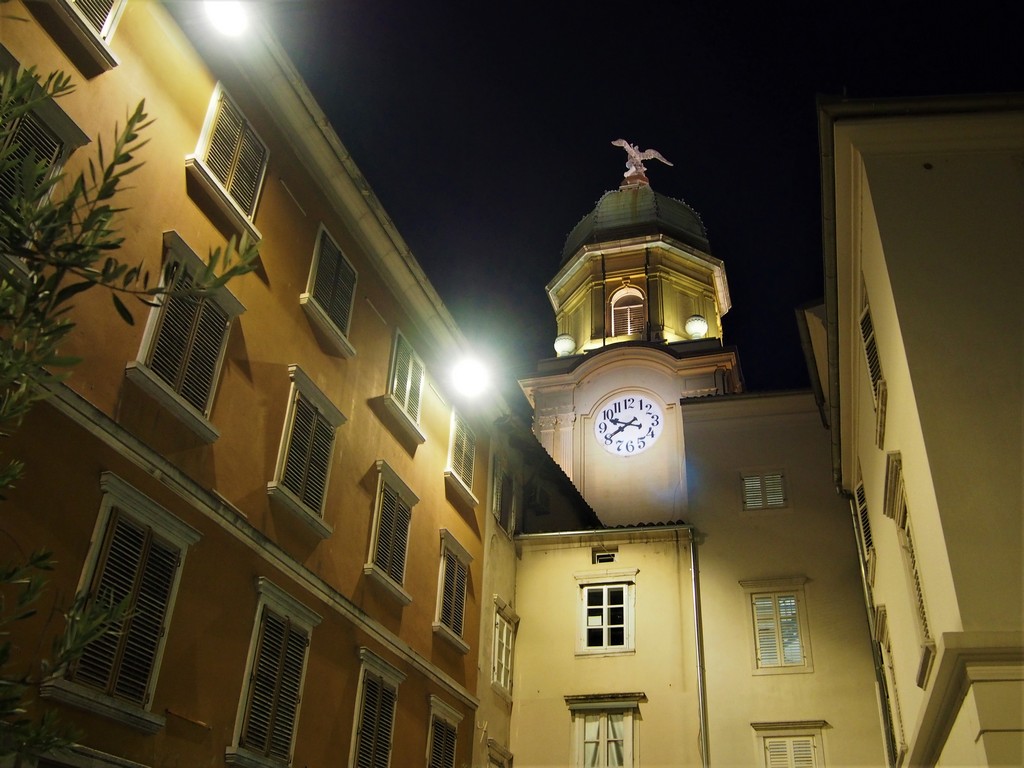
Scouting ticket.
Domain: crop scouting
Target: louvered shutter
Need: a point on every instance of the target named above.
(861, 501)
(753, 492)
(803, 752)
(310, 444)
(442, 744)
(392, 534)
(274, 687)
(375, 723)
(334, 284)
(236, 155)
(97, 13)
(774, 490)
(915, 573)
(463, 451)
(453, 598)
(765, 631)
(789, 629)
(189, 341)
(867, 333)
(139, 569)
(408, 381)
(30, 141)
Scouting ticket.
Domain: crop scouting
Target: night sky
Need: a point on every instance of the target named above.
(485, 129)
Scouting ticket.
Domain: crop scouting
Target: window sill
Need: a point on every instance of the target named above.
(584, 652)
(501, 692)
(82, 697)
(392, 587)
(289, 501)
(201, 174)
(327, 326)
(460, 489)
(78, 756)
(924, 667)
(791, 669)
(243, 757)
(408, 428)
(145, 379)
(89, 44)
(445, 632)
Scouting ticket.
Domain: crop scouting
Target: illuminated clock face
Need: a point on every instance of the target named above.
(628, 424)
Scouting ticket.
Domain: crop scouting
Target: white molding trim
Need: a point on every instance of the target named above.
(607, 576)
(445, 632)
(142, 376)
(376, 664)
(144, 509)
(98, 424)
(605, 701)
(285, 605)
(196, 167)
(459, 487)
(451, 544)
(395, 483)
(322, 321)
(309, 388)
(393, 588)
(402, 422)
(441, 709)
(93, 44)
(290, 502)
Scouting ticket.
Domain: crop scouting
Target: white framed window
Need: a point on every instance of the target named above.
(461, 459)
(91, 24)
(791, 744)
(604, 729)
(920, 609)
(405, 388)
(764, 490)
(506, 622)
(865, 541)
(449, 621)
(389, 536)
(306, 452)
(230, 162)
(606, 610)
(331, 292)
(185, 342)
(628, 311)
(136, 558)
(497, 755)
(503, 495)
(890, 690)
(275, 672)
(895, 504)
(375, 712)
(867, 335)
(444, 724)
(781, 641)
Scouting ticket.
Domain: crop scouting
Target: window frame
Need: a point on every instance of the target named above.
(503, 642)
(786, 732)
(121, 498)
(453, 555)
(179, 256)
(461, 452)
(397, 402)
(776, 588)
(388, 480)
(94, 43)
(617, 297)
(302, 387)
(199, 169)
(444, 717)
(504, 495)
(587, 581)
(602, 705)
(770, 485)
(373, 666)
(272, 599)
(313, 305)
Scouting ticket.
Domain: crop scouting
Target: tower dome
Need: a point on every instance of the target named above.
(636, 210)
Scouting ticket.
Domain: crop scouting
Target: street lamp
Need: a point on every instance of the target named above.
(470, 377)
(227, 16)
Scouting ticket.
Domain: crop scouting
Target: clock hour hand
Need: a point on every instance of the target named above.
(623, 424)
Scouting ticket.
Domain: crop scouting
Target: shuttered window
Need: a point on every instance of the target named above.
(334, 282)
(867, 334)
(376, 721)
(136, 568)
(463, 450)
(392, 533)
(790, 752)
(235, 154)
(189, 341)
(406, 378)
(274, 687)
(454, 574)
(777, 630)
(764, 491)
(628, 312)
(442, 743)
(100, 14)
(308, 457)
(28, 139)
(504, 640)
(503, 496)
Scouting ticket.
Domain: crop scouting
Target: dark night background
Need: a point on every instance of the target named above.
(485, 130)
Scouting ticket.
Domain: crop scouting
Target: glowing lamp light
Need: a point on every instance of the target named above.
(696, 327)
(470, 377)
(565, 344)
(227, 16)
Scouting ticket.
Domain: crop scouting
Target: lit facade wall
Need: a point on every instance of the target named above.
(216, 484)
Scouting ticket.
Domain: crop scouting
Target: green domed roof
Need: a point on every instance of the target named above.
(636, 210)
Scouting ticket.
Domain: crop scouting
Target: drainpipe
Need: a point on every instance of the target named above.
(698, 627)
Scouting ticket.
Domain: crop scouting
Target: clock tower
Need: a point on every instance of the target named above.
(638, 299)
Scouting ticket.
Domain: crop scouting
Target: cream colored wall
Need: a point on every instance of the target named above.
(662, 667)
(812, 537)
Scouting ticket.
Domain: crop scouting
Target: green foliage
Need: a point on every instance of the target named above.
(59, 238)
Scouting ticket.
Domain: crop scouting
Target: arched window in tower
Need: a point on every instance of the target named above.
(628, 312)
